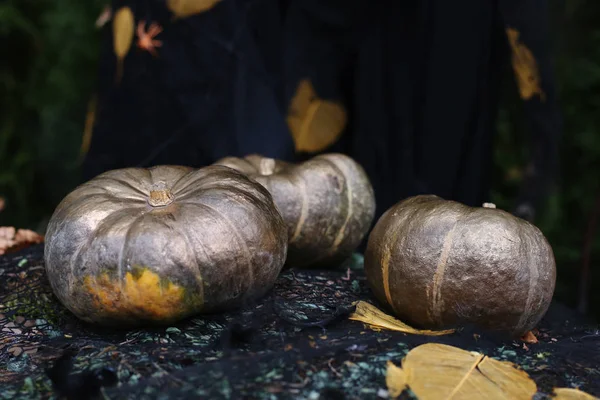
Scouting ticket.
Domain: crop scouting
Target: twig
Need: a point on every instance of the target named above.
(335, 371)
(347, 277)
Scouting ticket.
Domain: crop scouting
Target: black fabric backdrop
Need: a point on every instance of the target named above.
(419, 80)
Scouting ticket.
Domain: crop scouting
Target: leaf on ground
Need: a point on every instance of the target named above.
(438, 371)
(374, 317)
(529, 337)
(12, 240)
(2, 203)
(187, 8)
(395, 379)
(572, 394)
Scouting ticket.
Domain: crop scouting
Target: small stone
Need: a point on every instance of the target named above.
(19, 319)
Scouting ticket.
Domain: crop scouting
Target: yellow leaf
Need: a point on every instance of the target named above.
(395, 379)
(438, 371)
(305, 94)
(322, 126)
(371, 315)
(123, 32)
(187, 8)
(315, 123)
(525, 67)
(572, 394)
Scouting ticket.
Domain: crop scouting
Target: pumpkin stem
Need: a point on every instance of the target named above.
(489, 205)
(267, 166)
(160, 198)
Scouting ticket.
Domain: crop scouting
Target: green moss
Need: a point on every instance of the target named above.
(36, 305)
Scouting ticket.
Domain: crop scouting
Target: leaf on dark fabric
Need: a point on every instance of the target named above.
(12, 240)
(525, 67)
(315, 123)
(187, 8)
(438, 371)
(123, 32)
(572, 394)
(374, 317)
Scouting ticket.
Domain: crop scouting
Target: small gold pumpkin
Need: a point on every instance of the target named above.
(439, 263)
(327, 202)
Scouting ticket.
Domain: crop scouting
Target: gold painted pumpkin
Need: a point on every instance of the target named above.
(155, 245)
(441, 264)
(327, 203)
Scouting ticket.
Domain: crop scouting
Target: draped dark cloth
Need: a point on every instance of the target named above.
(211, 92)
(419, 81)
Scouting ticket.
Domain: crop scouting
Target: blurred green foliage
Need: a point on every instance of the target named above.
(567, 212)
(48, 74)
(46, 78)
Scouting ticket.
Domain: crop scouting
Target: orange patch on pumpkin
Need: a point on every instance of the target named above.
(143, 296)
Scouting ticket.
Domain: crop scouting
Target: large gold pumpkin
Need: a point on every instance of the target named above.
(135, 245)
(441, 264)
(327, 203)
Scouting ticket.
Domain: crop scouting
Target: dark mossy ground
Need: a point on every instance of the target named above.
(287, 345)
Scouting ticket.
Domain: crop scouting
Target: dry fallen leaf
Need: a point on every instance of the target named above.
(437, 371)
(13, 240)
(315, 123)
(529, 337)
(395, 379)
(187, 8)
(372, 316)
(2, 203)
(123, 31)
(572, 394)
